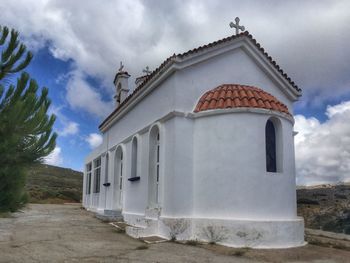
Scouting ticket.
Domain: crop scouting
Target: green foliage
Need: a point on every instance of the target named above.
(25, 128)
(12, 53)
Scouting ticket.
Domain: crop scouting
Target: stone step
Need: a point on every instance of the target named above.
(327, 239)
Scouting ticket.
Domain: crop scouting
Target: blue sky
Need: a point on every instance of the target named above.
(52, 73)
(78, 45)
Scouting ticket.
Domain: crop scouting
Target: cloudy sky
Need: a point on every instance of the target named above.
(78, 46)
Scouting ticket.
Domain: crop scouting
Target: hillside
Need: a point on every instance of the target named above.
(52, 184)
(325, 207)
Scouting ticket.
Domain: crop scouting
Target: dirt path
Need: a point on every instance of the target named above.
(66, 233)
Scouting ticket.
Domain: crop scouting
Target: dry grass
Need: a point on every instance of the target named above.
(48, 184)
(5, 215)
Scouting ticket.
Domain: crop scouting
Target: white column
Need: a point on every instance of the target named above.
(92, 184)
(109, 179)
(102, 195)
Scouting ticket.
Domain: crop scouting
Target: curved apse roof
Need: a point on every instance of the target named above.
(229, 96)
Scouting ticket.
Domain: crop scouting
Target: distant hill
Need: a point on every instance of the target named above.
(325, 207)
(52, 184)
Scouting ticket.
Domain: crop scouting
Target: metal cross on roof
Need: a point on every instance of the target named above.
(121, 67)
(237, 26)
(147, 70)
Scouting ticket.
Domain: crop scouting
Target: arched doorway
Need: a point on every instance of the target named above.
(118, 178)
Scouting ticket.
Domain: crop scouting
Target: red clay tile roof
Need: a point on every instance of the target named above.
(170, 60)
(228, 96)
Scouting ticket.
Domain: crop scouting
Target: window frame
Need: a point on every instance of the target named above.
(277, 167)
(157, 164)
(134, 157)
(270, 147)
(97, 175)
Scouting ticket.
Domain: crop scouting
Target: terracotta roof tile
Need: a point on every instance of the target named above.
(253, 103)
(170, 60)
(235, 96)
(228, 103)
(220, 103)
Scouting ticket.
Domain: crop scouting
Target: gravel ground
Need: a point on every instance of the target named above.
(67, 233)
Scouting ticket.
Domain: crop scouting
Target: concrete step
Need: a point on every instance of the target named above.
(112, 212)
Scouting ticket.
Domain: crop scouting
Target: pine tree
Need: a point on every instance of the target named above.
(12, 54)
(25, 128)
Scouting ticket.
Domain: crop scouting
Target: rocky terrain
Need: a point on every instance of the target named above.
(325, 207)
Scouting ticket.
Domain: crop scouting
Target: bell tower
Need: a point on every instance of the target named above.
(121, 85)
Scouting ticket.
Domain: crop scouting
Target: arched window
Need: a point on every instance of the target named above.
(97, 175)
(270, 138)
(121, 171)
(273, 145)
(157, 165)
(134, 158)
(154, 166)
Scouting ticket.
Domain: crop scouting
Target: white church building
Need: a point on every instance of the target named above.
(202, 149)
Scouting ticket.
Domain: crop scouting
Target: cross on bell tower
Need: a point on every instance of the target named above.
(237, 26)
(121, 67)
(147, 70)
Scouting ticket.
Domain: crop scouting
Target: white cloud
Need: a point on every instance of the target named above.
(55, 158)
(70, 128)
(80, 95)
(94, 140)
(340, 109)
(323, 149)
(96, 37)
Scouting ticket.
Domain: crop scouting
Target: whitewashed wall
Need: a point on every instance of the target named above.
(234, 67)
(230, 169)
(211, 167)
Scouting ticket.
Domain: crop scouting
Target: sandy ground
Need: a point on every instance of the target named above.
(66, 233)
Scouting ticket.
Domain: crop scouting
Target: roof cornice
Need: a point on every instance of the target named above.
(180, 61)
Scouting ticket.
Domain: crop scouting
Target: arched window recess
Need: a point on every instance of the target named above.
(134, 161)
(273, 145)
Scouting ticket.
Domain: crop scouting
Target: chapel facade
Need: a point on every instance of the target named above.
(202, 149)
